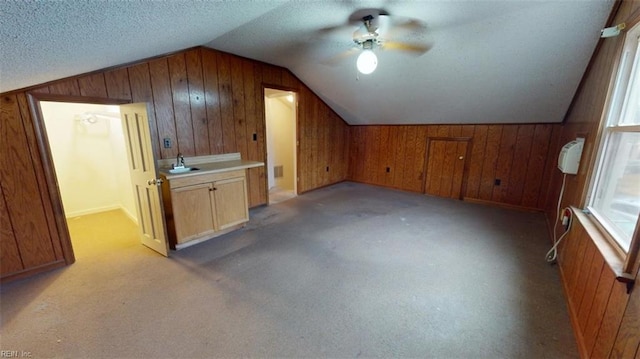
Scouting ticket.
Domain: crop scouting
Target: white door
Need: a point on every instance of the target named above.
(146, 190)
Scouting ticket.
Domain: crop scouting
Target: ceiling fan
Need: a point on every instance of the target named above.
(374, 34)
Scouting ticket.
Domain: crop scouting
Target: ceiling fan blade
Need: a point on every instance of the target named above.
(394, 26)
(416, 49)
(333, 29)
(336, 59)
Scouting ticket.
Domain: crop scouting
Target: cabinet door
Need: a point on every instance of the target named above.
(231, 202)
(193, 211)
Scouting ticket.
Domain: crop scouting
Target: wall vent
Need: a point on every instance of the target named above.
(278, 172)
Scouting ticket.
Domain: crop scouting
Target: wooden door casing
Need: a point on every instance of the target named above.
(445, 166)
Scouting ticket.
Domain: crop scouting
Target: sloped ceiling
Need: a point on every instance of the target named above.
(489, 62)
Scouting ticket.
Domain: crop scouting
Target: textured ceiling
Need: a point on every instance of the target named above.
(490, 62)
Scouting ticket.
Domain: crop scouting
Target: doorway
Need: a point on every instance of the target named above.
(281, 120)
(446, 158)
(88, 150)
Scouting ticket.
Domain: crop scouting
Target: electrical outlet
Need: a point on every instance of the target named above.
(167, 142)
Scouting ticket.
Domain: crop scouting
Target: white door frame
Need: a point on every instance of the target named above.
(295, 131)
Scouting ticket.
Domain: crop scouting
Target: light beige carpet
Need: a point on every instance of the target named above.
(102, 233)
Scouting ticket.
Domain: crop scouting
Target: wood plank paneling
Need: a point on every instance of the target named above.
(504, 162)
(582, 274)
(60, 248)
(237, 95)
(597, 305)
(21, 191)
(412, 171)
(403, 150)
(140, 85)
(435, 165)
(550, 168)
(520, 163)
(226, 103)
(458, 169)
(181, 118)
(212, 100)
(117, 83)
(158, 73)
(260, 172)
(577, 265)
(93, 85)
(67, 87)
(400, 150)
(611, 321)
(10, 260)
(628, 339)
(419, 158)
(595, 268)
(445, 164)
(448, 167)
(250, 103)
(197, 104)
(606, 280)
(477, 156)
(536, 165)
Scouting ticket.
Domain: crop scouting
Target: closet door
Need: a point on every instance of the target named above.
(445, 167)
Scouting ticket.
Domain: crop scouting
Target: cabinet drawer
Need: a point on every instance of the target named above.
(204, 178)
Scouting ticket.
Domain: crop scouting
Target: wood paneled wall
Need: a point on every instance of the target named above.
(516, 154)
(205, 101)
(28, 238)
(605, 318)
(596, 300)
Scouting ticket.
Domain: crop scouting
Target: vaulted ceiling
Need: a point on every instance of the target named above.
(489, 61)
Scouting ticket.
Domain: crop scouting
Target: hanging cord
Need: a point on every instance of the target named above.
(552, 255)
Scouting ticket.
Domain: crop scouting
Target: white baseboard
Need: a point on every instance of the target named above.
(88, 211)
(132, 217)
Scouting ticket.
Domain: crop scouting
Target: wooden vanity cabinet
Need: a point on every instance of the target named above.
(200, 207)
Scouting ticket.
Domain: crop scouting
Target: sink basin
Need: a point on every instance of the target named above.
(183, 169)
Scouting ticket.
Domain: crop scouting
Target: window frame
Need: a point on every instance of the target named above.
(609, 125)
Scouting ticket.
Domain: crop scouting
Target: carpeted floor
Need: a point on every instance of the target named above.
(277, 195)
(346, 271)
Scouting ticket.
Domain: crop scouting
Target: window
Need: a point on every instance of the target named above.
(615, 195)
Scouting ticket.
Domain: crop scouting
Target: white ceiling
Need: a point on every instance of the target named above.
(491, 61)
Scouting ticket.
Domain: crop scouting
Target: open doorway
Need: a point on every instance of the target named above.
(88, 149)
(280, 119)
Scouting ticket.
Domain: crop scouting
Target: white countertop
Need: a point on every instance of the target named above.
(211, 167)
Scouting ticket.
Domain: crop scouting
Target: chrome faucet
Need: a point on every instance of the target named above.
(179, 161)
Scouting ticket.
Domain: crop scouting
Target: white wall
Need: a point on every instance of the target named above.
(280, 120)
(89, 158)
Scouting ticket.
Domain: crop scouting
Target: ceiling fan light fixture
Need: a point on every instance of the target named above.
(367, 62)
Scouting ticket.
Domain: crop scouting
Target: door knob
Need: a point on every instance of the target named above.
(461, 157)
(155, 181)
